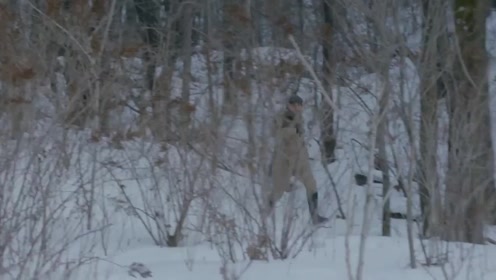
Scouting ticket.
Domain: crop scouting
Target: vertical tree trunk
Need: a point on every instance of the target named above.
(301, 24)
(147, 11)
(328, 136)
(250, 118)
(434, 22)
(197, 17)
(213, 136)
(276, 12)
(382, 157)
(229, 54)
(379, 63)
(263, 23)
(209, 26)
(470, 166)
(187, 26)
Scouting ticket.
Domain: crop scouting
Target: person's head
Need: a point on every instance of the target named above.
(295, 103)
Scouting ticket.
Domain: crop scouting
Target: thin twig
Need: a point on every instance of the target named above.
(336, 193)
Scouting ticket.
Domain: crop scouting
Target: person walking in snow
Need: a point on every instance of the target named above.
(291, 158)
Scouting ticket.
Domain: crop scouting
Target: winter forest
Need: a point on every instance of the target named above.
(137, 139)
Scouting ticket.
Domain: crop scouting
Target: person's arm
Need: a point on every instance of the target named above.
(300, 125)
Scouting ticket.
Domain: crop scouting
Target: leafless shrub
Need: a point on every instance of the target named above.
(162, 189)
(40, 220)
(237, 222)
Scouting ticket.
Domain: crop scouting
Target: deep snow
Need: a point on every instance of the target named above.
(155, 182)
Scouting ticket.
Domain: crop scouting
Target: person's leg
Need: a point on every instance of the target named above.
(305, 176)
(280, 181)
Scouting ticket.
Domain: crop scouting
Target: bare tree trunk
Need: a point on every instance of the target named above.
(187, 49)
(208, 19)
(148, 15)
(301, 21)
(187, 27)
(381, 62)
(408, 122)
(277, 11)
(229, 37)
(328, 135)
(434, 25)
(247, 43)
(383, 159)
(260, 22)
(470, 166)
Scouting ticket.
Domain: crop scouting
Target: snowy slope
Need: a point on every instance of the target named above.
(385, 259)
(323, 255)
(139, 190)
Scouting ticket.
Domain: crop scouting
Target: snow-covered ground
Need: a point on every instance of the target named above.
(385, 259)
(328, 253)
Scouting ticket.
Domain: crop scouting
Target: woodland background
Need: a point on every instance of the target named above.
(162, 109)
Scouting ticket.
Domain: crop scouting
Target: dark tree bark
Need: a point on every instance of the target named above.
(301, 19)
(229, 38)
(147, 11)
(187, 29)
(470, 183)
(430, 68)
(328, 135)
(382, 157)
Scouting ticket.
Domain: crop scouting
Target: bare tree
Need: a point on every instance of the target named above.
(187, 28)
(379, 35)
(470, 183)
(230, 11)
(434, 27)
(328, 133)
(148, 15)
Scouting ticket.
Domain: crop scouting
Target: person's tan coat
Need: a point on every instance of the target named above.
(290, 156)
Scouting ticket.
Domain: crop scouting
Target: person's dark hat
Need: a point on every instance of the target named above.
(295, 99)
